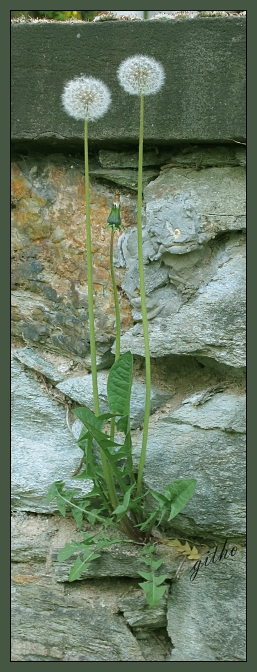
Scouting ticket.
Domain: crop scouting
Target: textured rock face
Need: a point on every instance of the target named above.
(202, 100)
(81, 390)
(49, 259)
(43, 447)
(106, 618)
(194, 253)
(205, 438)
(206, 616)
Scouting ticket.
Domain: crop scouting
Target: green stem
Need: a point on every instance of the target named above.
(117, 350)
(116, 298)
(117, 315)
(106, 467)
(143, 301)
(90, 279)
(125, 522)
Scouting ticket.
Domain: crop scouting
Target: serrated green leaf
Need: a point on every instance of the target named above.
(147, 550)
(146, 575)
(90, 555)
(123, 424)
(157, 495)
(82, 475)
(77, 569)
(146, 524)
(179, 493)
(147, 561)
(153, 593)
(157, 563)
(54, 489)
(81, 565)
(68, 550)
(78, 515)
(88, 417)
(83, 434)
(102, 439)
(123, 508)
(105, 543)
(159, 579)
(119, 384)
(61, 505)
(52, 492)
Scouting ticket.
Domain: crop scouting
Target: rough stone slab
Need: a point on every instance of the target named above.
(120, 560)
(185, 208)
(36, 360)
(49, 273)
(201, 311)
(80, 389)
(225, 411)
(195, 156)
(43, 449)
(50, 622)
(40, 538)
(139, 614)
(179, 447)
(203, 98)
(206, 617)
(125, 178)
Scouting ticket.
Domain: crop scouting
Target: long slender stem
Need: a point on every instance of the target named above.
(106, 467)
(90, 279)
(116, 298)
(143, 301)
(117, 315)
(125, 522)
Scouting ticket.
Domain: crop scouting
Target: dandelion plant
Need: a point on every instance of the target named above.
(88, 99)
(142, 76)
(117, 485)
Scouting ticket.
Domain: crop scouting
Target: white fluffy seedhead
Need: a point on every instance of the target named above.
(86, 98)
(141, 75)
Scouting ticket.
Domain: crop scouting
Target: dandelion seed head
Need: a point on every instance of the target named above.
(141, 75)
(86, 98)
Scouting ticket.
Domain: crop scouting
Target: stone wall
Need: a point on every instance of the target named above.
(194, 255)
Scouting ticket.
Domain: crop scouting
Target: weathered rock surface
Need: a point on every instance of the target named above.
(196, 156)
(49, 281)
(185, 208)
(210, 321)
(50, 366)
(105, 618)
(202, 439)
(206, 617)
(203, 99)
(51, 622)
(43, 449)
(80, 389)
(194, 254)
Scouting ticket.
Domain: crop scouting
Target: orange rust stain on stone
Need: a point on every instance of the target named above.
(24, 579)
(19, 185)
(53, 231)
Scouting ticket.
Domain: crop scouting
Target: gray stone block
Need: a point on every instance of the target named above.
(201, 312)
(206, 616)
(194, 256)
(205, 442)
(80, 389)
(186, 208)
(43, 449)
(203, 98)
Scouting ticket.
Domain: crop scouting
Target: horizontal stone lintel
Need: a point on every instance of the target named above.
(202, 100)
